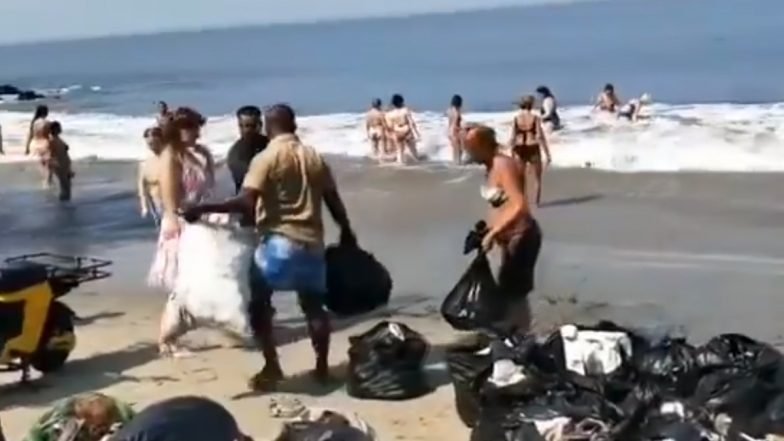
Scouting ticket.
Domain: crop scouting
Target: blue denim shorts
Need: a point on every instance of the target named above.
(285, 265)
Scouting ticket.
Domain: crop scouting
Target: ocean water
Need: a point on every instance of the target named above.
(714, 69)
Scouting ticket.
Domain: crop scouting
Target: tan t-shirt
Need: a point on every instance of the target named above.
(291, 179)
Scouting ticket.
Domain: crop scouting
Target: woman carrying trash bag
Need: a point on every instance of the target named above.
(510, 224)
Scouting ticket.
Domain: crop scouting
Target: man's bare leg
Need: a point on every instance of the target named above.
(320, 331)
(261, 316)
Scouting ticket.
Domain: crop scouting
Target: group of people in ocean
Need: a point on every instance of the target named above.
(393, 133)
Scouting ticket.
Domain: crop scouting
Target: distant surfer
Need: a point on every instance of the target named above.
(631, 110)
(402, 128)
(608, 101)
(455, 127)
(529, 141)
(549, 111)
(376, 130)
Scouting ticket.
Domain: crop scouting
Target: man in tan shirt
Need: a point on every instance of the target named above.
(285, 186)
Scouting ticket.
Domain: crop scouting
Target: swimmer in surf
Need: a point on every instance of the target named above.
(529, 141)
(607, 101)
(163, 112)
(631, 110)
(549, 111)
(455, 127)
(402, 128)
(376, 130)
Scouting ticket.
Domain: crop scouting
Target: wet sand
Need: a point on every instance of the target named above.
(700, 252)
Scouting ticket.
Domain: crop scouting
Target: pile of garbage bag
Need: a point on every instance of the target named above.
(387, 363)
(605, 382)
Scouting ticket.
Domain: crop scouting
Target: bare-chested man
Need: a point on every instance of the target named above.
(403, 130)
(376, 129)
(455, 118)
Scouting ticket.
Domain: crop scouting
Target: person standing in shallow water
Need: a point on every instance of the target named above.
(285, 186)
(455, 126)
(511, 227)
(403, 130)
(528, 141)
(376, 130)
(549, 111)
(608, 101)
(60, 161)
(251, 143)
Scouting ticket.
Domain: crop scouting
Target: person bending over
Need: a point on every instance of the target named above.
(511, 227)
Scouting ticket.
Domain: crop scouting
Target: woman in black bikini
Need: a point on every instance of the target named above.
(528, 141)
(510, 223)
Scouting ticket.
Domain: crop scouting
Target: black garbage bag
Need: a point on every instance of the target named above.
(356, 282)
(737, 392)
(466, 362)
(737, 350)
(475, 302)
(672, 364)
(314, 431)
(675, 429)
(490, 431)
(770, 421)
(386, 363)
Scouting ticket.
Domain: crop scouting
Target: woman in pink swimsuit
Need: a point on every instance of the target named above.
(185, 178)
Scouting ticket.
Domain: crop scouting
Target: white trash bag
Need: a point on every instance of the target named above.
(212, 287)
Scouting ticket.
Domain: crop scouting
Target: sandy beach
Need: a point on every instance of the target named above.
(698, 253)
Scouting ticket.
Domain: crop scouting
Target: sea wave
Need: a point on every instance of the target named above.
(699, 137)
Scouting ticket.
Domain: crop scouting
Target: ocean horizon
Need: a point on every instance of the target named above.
(714, 73)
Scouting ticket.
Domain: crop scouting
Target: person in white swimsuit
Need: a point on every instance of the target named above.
(403, 130)
(376, 130)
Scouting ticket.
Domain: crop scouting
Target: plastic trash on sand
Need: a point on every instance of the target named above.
(387, 363)
(212, 286)
(356, 282)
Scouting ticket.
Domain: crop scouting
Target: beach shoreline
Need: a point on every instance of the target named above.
(700, 253)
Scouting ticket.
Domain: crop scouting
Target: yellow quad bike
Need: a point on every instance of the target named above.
(36, 329)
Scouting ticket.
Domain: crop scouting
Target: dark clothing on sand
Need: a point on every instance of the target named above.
(181, 419)
(516, 275)
(240, 155)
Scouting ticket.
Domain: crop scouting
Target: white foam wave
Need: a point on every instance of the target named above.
(709, 137)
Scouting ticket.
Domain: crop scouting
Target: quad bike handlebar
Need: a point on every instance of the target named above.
(63, 272)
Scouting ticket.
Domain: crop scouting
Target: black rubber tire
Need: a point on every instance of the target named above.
(59, 323)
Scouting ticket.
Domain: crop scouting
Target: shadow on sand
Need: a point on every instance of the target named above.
(571, 201)
(78, 376)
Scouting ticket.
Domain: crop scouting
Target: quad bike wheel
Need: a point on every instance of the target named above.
(57, 340)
